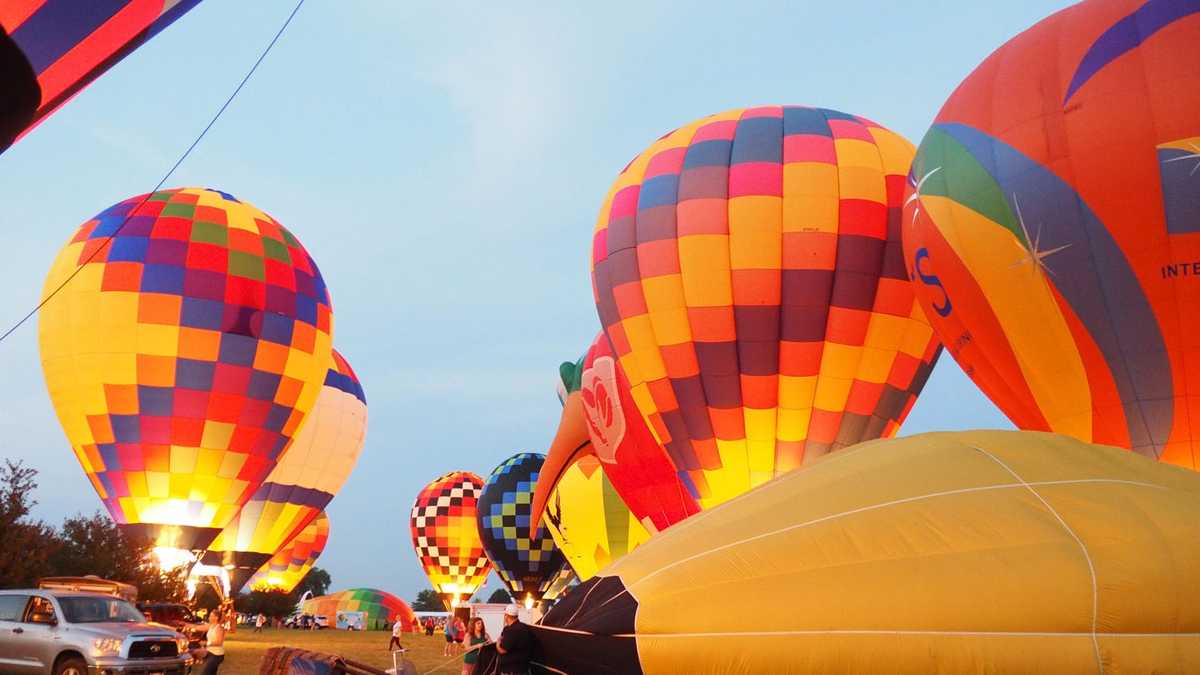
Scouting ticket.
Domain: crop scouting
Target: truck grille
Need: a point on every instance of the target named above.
(153, 649)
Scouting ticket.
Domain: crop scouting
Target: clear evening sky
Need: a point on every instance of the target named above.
(444, 165)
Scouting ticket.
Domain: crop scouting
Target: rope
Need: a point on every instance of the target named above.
(163, 180)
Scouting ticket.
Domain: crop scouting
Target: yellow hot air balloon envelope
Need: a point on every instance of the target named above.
(973, 552)
(588, 520)
(186, 343)
(287, 568)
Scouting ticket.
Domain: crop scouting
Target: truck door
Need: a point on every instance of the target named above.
(35, 640)
(12, 608)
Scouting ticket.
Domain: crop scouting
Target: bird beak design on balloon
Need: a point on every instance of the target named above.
(572, 441)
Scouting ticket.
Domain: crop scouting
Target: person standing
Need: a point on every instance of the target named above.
(397, 629)
(476, 637)
(213, 650)
(515, 645)
(259, 622)
(448, 631)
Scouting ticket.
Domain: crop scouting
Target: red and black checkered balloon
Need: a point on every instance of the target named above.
(445, 537)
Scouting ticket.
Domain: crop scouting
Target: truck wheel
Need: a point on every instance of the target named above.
(72, 665)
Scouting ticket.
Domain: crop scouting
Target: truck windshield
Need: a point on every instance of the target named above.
(86, 609)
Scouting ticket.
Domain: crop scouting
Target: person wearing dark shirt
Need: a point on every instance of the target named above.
(515, 645)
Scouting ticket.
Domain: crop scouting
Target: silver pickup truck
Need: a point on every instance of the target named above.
(47, 632)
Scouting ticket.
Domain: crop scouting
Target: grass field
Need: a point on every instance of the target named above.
(245, 648)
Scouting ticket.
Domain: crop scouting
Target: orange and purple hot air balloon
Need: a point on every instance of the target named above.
(750, 281)
(1052, 227)
(287, 568)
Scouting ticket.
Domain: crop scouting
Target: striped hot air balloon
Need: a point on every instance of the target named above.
(382, 608)
(291, 564)
(1052, 220)
(188, 341)
(66, 45)
(304, 481)
(445, 536)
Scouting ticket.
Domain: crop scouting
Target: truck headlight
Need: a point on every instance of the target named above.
(106, 647)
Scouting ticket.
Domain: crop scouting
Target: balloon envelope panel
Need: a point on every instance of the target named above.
(1051, 225)
(527, 564)
(188, 346)
(588, 521)
(983, 551)
(287, 568)
(306, 479)
(67, 45)
(446, 538)
(748, 273)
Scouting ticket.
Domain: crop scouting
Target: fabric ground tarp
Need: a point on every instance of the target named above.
(972, 552)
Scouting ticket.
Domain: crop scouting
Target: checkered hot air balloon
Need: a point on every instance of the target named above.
(62, 46)
(185, 347)
(1052, 227)
(303, 482)
(446, 539)
(528, 565)
(749, 280)
(287, 568)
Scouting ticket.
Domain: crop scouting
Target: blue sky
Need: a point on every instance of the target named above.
(444, 165)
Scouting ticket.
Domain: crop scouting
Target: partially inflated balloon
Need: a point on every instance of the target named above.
(976, 552)
(305, 480)
(1053, 226)
(445, 536)
(291, 564)
(748, 273)
(528, 565)
(188, 342)
(589, 522)
(382, 608)
(69, 44)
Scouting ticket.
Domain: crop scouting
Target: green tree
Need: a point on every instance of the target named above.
(428, 601)
(274, 603)
(500, 595)
(317, 580)
(96, 545)
(25, 544)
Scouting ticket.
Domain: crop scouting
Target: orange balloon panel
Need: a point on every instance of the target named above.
(446, 538)
(291, 564)
(1053, 226)
(305, 480)
(188, 341)
(748, 273)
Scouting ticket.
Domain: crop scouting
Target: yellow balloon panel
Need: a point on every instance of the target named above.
(291, 564)
(589, 521)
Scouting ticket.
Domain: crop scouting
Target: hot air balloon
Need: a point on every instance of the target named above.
(382, 608)
(187, 342)
(66, 45)
(527, 565)
(588, 521)
(600, 420)
(749, 278)
(1051, 236)
(287, 568)
(446, 538)
(988, 551)
(303, 482)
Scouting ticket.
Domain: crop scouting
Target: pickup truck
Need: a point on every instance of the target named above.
(55, 632)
